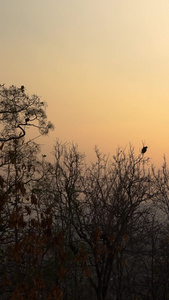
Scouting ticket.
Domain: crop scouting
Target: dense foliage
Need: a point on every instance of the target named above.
(74, 231)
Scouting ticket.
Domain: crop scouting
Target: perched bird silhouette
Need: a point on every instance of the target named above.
(144, 149)
(22, 88)
(27, 120)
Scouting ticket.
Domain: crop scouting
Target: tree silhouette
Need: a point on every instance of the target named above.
(71, 230)
(16, 109)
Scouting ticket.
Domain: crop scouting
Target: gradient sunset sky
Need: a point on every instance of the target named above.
(102, 67)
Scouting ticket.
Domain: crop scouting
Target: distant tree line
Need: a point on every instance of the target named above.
(76, 231)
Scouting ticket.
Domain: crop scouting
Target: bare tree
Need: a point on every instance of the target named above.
(96, 206)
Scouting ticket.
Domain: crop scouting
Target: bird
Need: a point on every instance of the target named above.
(22, 88)
(27, 120)
(144, 149)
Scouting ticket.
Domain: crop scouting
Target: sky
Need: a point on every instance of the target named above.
(102, 67)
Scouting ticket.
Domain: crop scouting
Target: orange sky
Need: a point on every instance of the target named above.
(102, 67)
